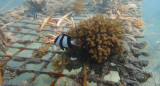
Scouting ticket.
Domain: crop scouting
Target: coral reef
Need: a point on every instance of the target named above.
(60, 62)
(78, 6)
(43, 50)
(35, 5)
(98, 37)
(104, 45)
(62, 6)
(99, 6)
(139, 23)
(48, 6)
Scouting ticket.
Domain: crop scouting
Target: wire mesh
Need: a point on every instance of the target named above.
(22, 29)
(26, 40)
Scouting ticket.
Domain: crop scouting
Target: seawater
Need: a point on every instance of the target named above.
(151, 16)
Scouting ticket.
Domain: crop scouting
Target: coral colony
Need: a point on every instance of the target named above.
(98, 37)
(97, 45)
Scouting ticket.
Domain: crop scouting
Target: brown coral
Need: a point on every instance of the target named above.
(43, 50)
(138, 23)
(78, 6)
(60, 62)
(98, 37)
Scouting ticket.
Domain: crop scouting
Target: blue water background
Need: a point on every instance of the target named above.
(14, 4)
(151, 16)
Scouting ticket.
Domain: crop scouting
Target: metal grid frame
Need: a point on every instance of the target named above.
(27, 60)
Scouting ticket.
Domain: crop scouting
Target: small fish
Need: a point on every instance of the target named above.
(73, 14)
(64, 41)
(35, 15)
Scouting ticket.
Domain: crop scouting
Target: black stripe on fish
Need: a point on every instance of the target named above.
(60, 43)
(63, 41)
(69, 41)
(56, 39)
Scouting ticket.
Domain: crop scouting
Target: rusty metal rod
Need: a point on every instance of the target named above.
(72, 76)
(21, 59)
(43, 67)
(29, 48)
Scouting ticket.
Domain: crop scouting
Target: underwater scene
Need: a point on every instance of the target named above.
(79, 43)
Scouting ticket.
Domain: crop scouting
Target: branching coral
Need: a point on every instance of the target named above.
(78, 6)
(98, 37)
(43, 50)
(138, 23)
(60, 62)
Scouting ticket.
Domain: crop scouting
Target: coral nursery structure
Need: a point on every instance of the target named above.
(3, 42)
(103, 43)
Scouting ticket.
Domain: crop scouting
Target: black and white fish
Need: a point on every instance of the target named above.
(73, 14)
(64, 41)
(35, 15)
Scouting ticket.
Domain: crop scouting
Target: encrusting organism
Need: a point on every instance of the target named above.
(43, 50)
(60, 62)
(97, 37)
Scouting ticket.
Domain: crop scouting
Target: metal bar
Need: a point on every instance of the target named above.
(21, 59)
(43, 67)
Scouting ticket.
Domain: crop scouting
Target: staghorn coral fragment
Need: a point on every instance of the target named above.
(139, 23)
(105, 38)
(60, 62)
(43, 50)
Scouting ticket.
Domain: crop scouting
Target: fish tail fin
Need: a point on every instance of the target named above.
(74, 42)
